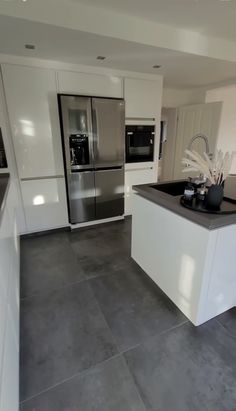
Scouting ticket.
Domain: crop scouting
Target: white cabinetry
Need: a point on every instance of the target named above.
(10, 375)
(90, 84)
(4, 278)
(45, 203)
(147, 173)
(31, 96)
(9, 305)
(143, 98)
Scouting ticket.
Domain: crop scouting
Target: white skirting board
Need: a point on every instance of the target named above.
(95, 222)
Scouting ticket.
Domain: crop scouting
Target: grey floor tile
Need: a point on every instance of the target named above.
(48, 262)
(134, 306)
(107, 387)
(228, 320)
(102, 250)
(187, 369)
(62, 333)
(96, 266)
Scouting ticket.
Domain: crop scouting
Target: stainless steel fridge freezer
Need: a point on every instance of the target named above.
(108, 121)
(93, 135)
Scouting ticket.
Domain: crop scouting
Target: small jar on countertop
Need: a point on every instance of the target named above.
(189, 194)
(201, 196)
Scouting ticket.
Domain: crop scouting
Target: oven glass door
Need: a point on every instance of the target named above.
(139, 146)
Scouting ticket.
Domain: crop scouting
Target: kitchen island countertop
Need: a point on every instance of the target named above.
(172, 203)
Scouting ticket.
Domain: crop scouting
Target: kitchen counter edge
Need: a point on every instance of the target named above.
(172, 203)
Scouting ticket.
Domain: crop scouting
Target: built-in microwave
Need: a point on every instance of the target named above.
(139, 143)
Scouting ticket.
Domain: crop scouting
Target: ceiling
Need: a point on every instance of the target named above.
(209, 17)
(74, 46)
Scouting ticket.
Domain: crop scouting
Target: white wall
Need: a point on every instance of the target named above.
(182, 97)
(227, 128)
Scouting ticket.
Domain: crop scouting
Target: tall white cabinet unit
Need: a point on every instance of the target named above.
(143, 99)
(31, 95)
(9, 303)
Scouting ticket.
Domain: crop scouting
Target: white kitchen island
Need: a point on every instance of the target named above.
(189, 255)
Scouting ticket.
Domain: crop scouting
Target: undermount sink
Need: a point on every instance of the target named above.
(175, 188)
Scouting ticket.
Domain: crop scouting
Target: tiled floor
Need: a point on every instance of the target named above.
(98, 335)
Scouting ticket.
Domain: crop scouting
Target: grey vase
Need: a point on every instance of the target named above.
(214, 197)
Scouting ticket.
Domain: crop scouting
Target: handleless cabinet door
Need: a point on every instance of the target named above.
(44, 203)
(143, 97)
(9, 396)
(145, 175)
(90, 84)
(5, 270)
(31, 96)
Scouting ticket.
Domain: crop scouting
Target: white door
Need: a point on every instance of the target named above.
(200, 118)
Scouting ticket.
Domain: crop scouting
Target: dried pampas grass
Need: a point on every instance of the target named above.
(215, 170)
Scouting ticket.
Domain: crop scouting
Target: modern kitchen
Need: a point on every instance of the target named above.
(117, 216)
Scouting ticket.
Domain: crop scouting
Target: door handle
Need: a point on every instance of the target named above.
(109, 168)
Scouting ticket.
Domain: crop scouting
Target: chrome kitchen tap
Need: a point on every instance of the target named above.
(205, 139)
(201, 178)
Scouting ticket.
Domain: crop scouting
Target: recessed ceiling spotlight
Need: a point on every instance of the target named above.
(101, 57)
(156, 66)
(30, 46)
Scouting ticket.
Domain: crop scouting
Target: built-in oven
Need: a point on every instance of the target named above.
(139, 143)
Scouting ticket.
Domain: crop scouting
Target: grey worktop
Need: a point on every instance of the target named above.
(209, 221)
(4, 184)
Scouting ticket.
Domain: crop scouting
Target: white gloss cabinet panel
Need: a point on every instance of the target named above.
(136, 177)
(90, 84)
(5, 259)
(222, 285)
(31, 95)
(172, 251)
(143, 97)
(9, 304)
(10, 372)
(45, 203)
(194, 266)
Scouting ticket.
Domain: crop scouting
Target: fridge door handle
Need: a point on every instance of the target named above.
(112, 168)
(81, 170)
(95, 133)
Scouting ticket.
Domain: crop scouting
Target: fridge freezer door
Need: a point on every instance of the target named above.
(109, 193)
(81, 196)
(108, 116)
(76, 120)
